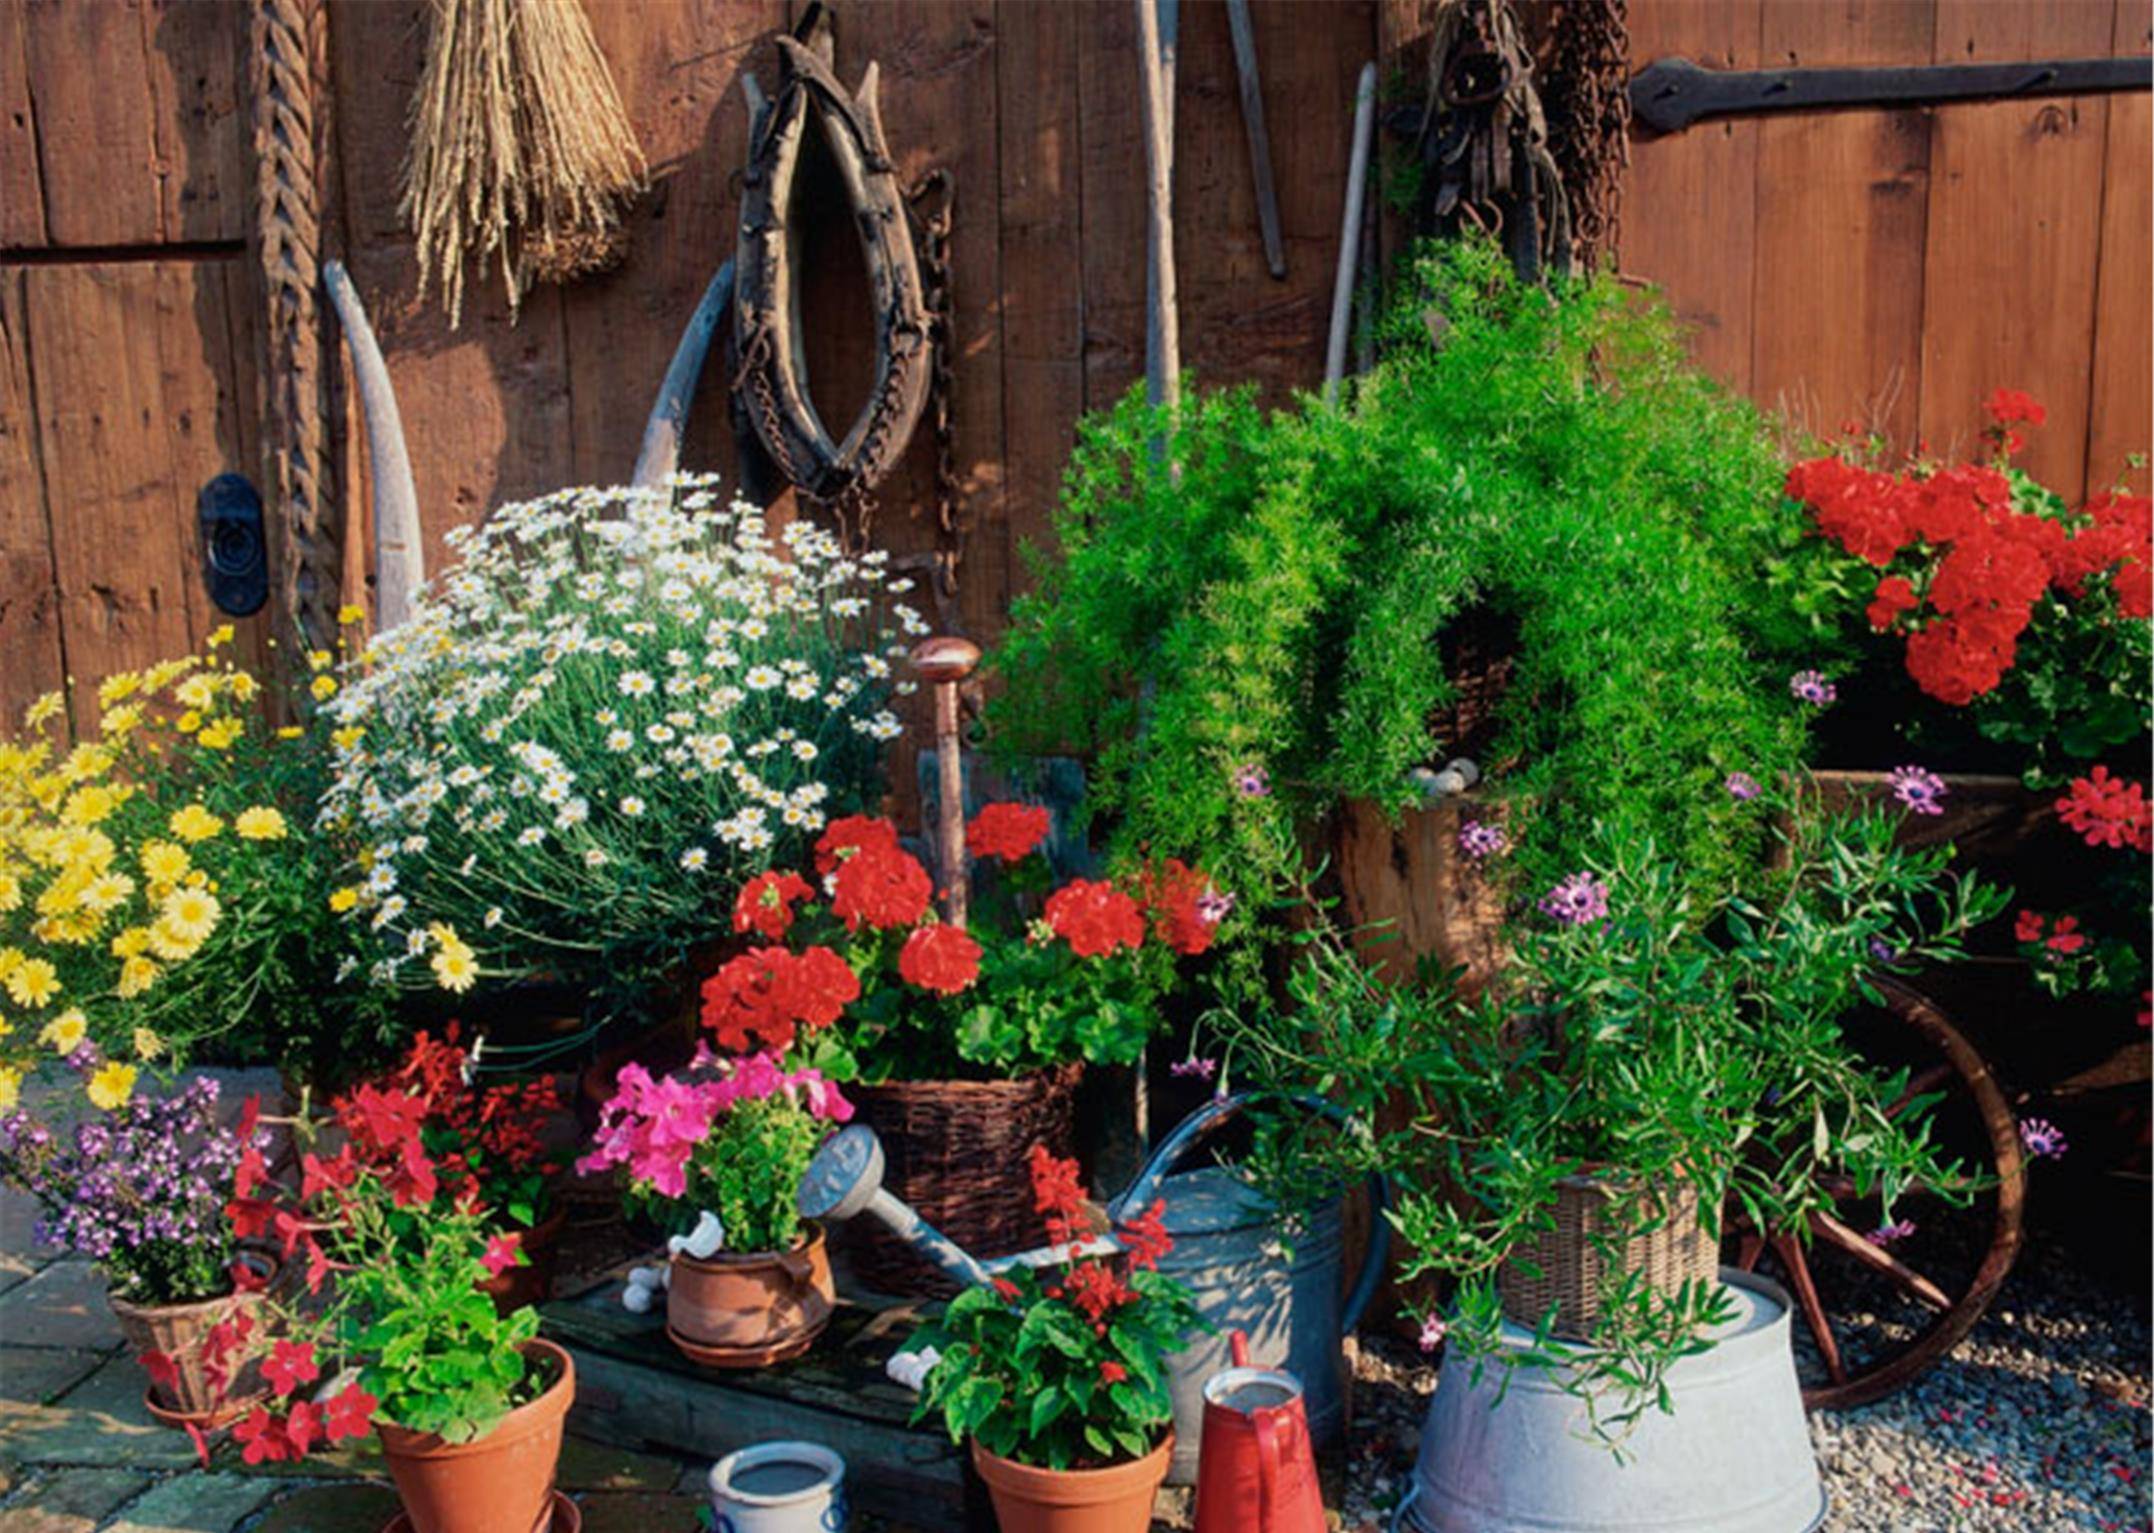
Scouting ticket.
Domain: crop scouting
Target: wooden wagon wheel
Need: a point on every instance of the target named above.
(1878, 1315)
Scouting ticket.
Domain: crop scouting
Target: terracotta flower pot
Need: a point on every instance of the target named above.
(177, 1330)
(531, 1283)
(747, 1309)
(1117, 1499)
(499, 1483)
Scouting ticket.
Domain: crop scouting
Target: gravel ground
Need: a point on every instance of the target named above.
(2038, 1421)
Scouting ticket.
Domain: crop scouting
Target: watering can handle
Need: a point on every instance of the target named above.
(1216, 1114)
(1238, 1348)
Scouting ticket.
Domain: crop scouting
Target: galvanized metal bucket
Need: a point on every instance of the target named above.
(1232, 1251)
(1510, 1455)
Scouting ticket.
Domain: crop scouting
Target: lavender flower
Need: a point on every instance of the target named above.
(1579, 900)
(1891, 1234)
(1479, 840)
(1742, 786)
(2042, 1138)
(1252, 781)
(1918, 788)
(1201, 1069)
(1433, 1331)
(1811, 687)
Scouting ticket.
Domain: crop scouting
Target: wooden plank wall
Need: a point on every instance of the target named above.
(1888, 268)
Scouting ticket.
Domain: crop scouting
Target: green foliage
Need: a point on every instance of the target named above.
(745, 1171)
(1273, 590)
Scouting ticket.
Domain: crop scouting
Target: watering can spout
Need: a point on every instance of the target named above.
(846, 1180)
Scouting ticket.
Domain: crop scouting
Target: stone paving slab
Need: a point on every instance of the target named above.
(195, 1503)
(637, 1513)
(587, 1465)
(98, 1422)
(71, 1500)
(330, 1509)
(33, 1376)
(62, 1305)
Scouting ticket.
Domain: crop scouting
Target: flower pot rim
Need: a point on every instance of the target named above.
(214, 1419)
(562, 1516)
(266, 1263)
(811, 1236)
(787, 1451)
(1134, 1470)
(1003, 1084)
(431, 1445)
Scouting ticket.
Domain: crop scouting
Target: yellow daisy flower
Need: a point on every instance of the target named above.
(113, 1085)
(10, 1087)
(163, 862)
(198, 691)
(242, 686)
(350, 613)
(43, 710)
(132, 942)
(220, 636)
(188, 722)
(34, 983)
(189, 914)
(147, 1044)
(65, 1032)
(344, 899)
(118, 687)
(323, 688)
(137, 974)
(220, 735)
(348, 737)
(195, 823)
(455, 968)
(261, 823)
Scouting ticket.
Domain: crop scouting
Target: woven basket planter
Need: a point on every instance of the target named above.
(1563, 1267)
(956, 1151)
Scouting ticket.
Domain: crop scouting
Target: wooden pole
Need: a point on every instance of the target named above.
(1252, 91)
(1162, 332)
(943, 663)
(1357, 177)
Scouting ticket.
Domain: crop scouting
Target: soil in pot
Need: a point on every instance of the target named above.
(499, 1483)
(1117, 1499)
(748, 1309)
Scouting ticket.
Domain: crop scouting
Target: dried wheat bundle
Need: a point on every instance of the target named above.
(519, 147)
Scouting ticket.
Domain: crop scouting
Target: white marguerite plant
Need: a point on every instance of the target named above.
(615, 707)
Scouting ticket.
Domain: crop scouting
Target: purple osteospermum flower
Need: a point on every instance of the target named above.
(1918, 788)
(1812, 687)
(1883, 951)
(1890, 1234)
(1478, 839)
(1433, 1331)
(1577, 901)
(1252, 781)
(2042, 1138)
(1200, 1068)
(1741, 785)
(1214, 905)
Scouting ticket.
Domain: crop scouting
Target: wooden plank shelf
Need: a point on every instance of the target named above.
(635, 1390)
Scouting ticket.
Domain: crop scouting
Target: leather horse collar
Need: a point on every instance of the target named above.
(772, 381)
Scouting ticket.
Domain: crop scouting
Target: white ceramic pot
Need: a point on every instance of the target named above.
(781, 1487)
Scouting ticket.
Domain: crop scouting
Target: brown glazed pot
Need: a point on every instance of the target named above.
(532, 1283)
(177, 1330)
(1117, 1499)
(746, 1309)
(499, 1483)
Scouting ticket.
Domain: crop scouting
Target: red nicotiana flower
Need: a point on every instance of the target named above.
(290, 1364)
(163, 1372)
(940, 957)
(503, 1252)
(882, 887)
(349, 1414)
(262, 1438)
(853, 834)
(380, 1121)
(1094, 918)
(302, 1426)
(766, 903)
(1011, 832)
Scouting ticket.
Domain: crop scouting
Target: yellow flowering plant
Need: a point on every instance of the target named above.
(161, 878)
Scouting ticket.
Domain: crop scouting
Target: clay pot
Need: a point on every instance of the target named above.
(499, 1483)
(747, 1309)
(531, 1283)
(177, 1330)
(1117, 1499)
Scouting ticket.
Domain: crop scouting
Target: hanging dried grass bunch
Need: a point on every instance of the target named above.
(519, 147)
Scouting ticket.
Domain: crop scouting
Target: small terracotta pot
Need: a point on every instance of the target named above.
(1117, 1499)
(177, 1330)
(499, 1483)
(532, 1283)
(747, 1309)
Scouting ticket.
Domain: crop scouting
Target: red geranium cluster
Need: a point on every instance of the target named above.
(2108, 811)
(2062, 936)
(763, 998)
(1097, 1285)
(1973, 566)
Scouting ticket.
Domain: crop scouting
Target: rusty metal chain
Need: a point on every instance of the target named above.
(934, 244)
(1585, 87)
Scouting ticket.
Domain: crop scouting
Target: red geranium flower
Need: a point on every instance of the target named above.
(2106, 811)
(1009, 831)
(1895, 594)
(881, 887)
(765, 903)
(941, 957)
(2028, 928)
(2010, 406)
(1175, 895)
(854, 833)
(2066, 937)
(1094, 918)
(762, 998)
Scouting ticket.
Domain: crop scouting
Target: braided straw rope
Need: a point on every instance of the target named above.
(288, 39)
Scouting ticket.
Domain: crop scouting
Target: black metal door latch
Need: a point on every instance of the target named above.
(1668, 95)
(235, 551)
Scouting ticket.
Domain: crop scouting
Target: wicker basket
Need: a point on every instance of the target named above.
(1563, 1267)
(955, 1151)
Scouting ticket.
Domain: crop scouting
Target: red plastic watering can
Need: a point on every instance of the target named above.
(1257, 1471)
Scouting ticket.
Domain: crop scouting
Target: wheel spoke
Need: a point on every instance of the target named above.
(1797, 1269)
(1879, 1260)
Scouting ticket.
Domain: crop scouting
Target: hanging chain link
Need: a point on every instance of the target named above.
(1586, 89)
(939, 189)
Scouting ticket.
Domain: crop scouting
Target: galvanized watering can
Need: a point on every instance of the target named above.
(1229, 1248)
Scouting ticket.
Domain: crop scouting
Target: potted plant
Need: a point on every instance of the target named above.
(1058, 1374)
(967, 1042)
(714, 1155)
(391, 1325)
(613, 702)
(139, 1187)
(489, 1140)
(162, 880)
(1651, 1059)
